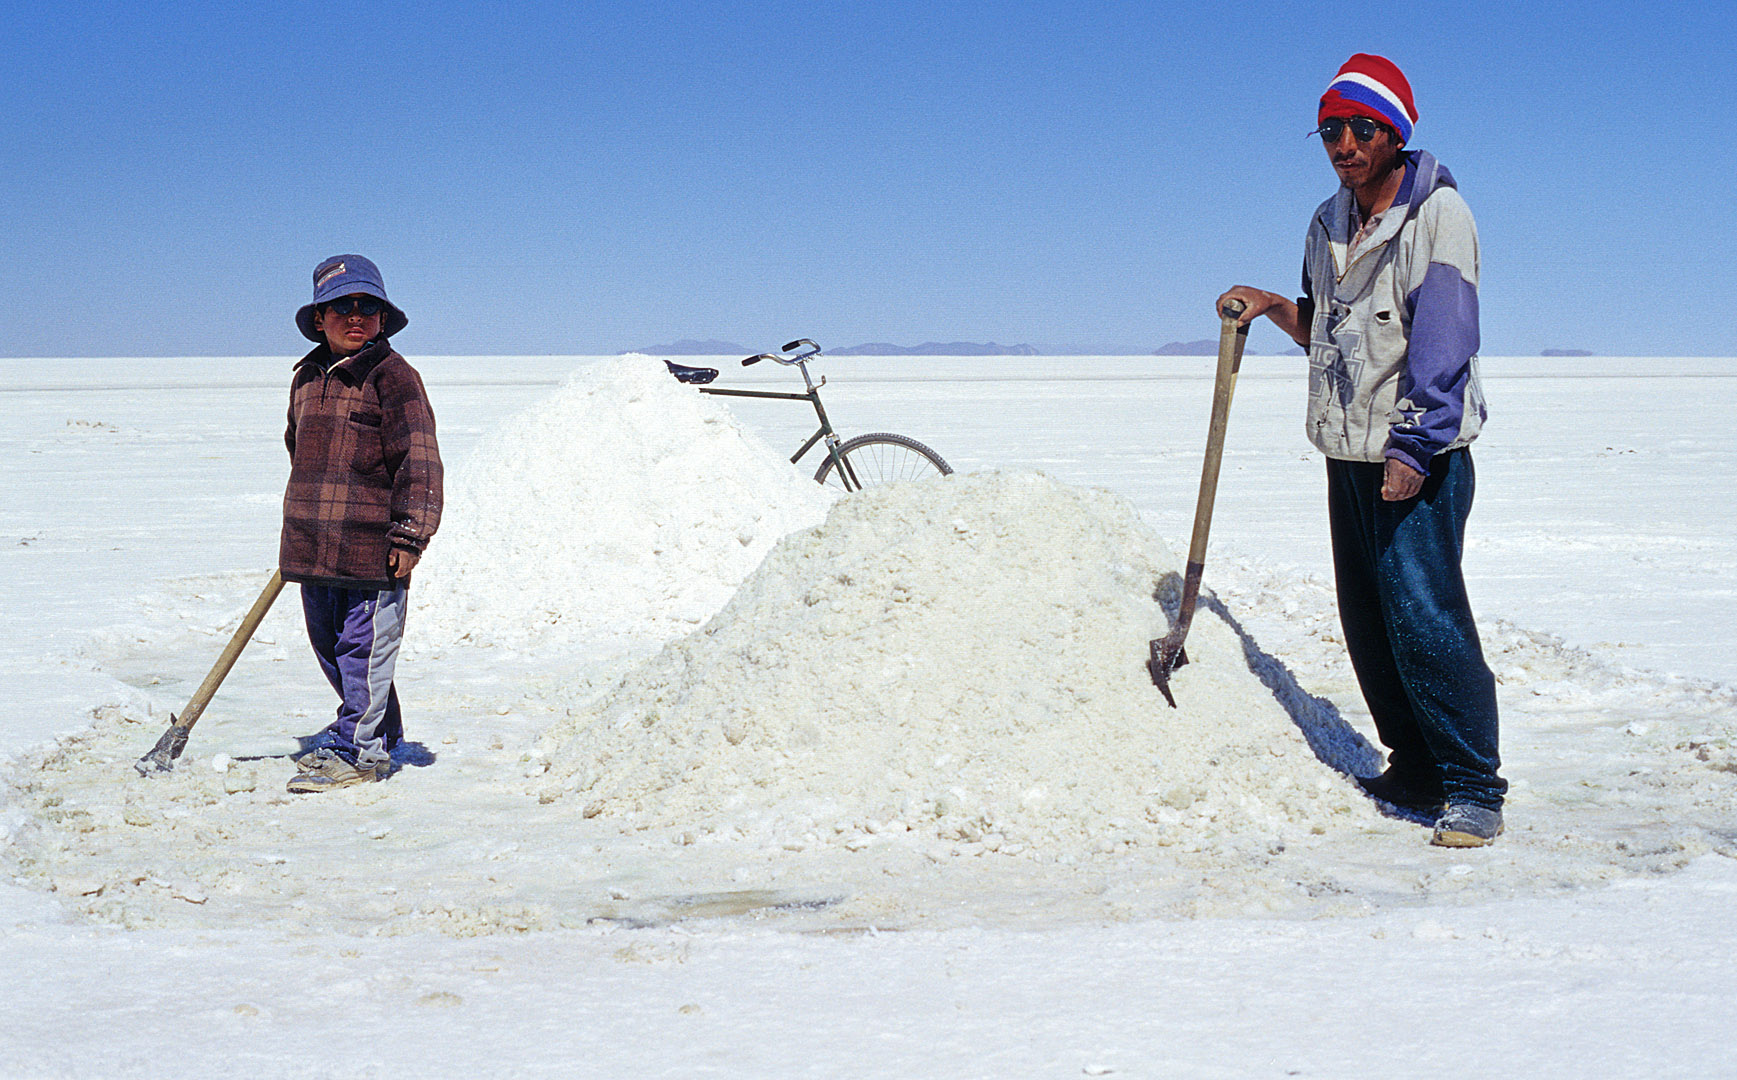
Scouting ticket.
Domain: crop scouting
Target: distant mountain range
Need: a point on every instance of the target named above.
(1203, 347)
(714, 347)
(1566, 352)
(1209, 347)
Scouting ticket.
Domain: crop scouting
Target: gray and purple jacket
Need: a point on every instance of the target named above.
(1393, 336)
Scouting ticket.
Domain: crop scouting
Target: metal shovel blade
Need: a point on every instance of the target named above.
(1167, 655)
(162, 757)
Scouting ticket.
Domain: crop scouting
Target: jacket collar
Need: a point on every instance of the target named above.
(1338, 215)
(357, 364)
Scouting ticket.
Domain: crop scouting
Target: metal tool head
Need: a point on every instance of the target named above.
(162, 757)
(1167, 655)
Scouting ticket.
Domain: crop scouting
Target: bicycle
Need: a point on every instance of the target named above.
(851, 464)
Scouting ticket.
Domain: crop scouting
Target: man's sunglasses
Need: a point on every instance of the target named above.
(1362, 128)
(365, 305)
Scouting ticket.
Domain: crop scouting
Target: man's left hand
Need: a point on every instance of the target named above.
(402, 562)
(1398, 483)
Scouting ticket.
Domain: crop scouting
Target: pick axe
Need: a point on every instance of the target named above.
(1167, 654)
(162, 757)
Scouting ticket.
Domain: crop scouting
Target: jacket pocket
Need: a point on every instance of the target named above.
(370, 457)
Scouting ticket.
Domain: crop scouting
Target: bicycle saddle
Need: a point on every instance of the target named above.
(696, 375)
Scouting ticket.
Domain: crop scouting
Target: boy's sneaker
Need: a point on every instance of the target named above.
(311, 745)
(1467, 825)
(307, 746)
(1422, 796)
(324, 770)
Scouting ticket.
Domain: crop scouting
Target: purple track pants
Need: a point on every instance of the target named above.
(355, 634)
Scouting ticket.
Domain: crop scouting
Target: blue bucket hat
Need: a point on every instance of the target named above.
(342, 275)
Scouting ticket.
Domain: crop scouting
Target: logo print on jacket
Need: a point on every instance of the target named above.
(1335, 361)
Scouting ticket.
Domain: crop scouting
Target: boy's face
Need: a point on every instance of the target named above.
(346, 334)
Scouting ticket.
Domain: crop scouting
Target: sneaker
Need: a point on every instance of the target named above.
(324, 770)
(1407, 792)
(311, 745)
(1467, 825)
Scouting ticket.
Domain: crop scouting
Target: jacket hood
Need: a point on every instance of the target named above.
(1423, 174)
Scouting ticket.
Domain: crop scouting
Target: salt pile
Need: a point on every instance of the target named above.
(962, 658)
(624, 503)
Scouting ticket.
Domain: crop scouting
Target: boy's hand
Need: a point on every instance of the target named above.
(402, 561)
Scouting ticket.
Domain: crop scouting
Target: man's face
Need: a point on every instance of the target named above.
(1356, 162)
(346, 333)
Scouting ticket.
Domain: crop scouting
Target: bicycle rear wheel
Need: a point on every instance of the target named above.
(881, 458)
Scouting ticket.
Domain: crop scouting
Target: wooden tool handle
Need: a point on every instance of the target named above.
(1231, 339)
(231, 652)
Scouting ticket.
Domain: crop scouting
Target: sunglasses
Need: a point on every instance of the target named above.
(364, 305)
(1362, 128)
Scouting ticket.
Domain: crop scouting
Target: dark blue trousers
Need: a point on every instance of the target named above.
(1408, 624)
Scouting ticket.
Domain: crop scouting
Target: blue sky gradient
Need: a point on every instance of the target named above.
(586, 178)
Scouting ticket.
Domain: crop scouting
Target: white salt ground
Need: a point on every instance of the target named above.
(929, 710)
(202, 925)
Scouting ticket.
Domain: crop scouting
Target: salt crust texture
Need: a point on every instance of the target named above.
(626, 502)
(962, 658)
(837, 807)
(931, 707)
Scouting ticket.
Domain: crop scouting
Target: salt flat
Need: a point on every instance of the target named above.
(142, 509)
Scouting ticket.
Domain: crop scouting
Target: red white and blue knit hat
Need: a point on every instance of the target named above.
(1371, 86)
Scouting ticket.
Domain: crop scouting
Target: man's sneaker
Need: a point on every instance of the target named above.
(1467, 825)
(324, 770)
(1406, 792)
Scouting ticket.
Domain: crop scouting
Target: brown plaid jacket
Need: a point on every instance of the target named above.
(365, 472)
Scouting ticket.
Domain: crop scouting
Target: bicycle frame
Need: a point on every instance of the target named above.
(812, 397)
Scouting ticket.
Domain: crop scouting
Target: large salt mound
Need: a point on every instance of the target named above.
(964, 658)
(625, 503)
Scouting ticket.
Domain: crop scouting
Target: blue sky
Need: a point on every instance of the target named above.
(583, 178)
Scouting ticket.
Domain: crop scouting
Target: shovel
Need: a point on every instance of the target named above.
(1167, 654)
(162, 757)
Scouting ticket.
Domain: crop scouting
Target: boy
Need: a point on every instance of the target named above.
(364, 497)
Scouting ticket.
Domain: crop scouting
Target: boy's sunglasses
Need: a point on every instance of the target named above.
(1361, 127)
(366, 305)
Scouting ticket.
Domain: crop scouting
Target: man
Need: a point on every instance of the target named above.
(364, 497)
(1389, 314)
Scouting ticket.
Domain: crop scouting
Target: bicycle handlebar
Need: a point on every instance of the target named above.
(813, 350)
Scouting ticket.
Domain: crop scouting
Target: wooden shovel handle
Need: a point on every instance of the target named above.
(231, 652)
(169, 745)
(1231, 339)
